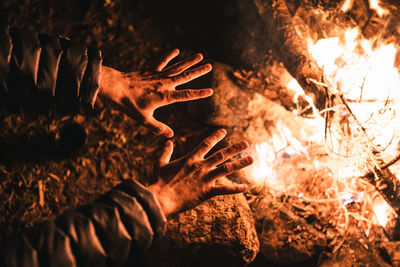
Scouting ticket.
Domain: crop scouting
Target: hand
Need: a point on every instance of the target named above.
(190, 180)
(139, 94)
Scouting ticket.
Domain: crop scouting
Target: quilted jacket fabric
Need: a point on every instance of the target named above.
(116, 229)
(32, 64)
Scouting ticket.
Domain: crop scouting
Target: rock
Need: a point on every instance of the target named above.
(286, 238)
(393, 251)
(354, 253)
(229, 105)
(220, 232)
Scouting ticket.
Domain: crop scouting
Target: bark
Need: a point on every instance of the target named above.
(290, 48)
(388, 185)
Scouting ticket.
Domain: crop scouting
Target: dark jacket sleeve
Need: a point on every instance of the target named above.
(54, 67)
(113, 231)
(116, 229)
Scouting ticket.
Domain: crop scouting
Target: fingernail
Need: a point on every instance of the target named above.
(208, 92)
(221, 132)
(247, 160)
(243, 187)
(168, 143)
(244, 145)
(169, 134)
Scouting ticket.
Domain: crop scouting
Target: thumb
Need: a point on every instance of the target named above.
(158, 127)
(166, 154)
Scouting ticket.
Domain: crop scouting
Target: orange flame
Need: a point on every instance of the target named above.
(373, 4)
(364, 74)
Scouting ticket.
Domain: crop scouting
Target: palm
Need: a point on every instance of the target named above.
(184, 183)
(139, 95)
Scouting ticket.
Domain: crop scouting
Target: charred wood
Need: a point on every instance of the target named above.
(388, 185)
(291, 49)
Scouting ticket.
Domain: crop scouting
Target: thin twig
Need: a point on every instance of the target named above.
(352, 114)
(390, 163)
(362, 86)
(346, 214)
(326, 86)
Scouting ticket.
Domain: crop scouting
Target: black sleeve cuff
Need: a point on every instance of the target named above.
(150, 204)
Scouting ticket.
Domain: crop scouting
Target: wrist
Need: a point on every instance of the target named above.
(163, 200)
(110, 84)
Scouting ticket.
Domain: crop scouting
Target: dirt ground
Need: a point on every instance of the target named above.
(37, 183)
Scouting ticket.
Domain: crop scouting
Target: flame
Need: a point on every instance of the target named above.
(373, 4)
(363, 74)
(383, 212)
(267, 155)
(347, 4)
(262, 167)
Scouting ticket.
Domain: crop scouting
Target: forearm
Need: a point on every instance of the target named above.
(112, 231)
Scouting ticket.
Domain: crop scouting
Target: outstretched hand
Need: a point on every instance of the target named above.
(140, 94)
(188, 181)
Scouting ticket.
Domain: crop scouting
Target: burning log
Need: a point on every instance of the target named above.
(242, 109)
(291, 49)
(388, 185)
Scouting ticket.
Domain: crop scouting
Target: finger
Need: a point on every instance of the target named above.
(167, 58)
(228, 168)
(189, 75)
(186, 95)
(226, 190)
(207, 144)
(183, 65)
(158, 127)
(226, 153)
(166, 154)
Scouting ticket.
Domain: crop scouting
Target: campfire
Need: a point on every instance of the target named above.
(312, 85)
(326, 171)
